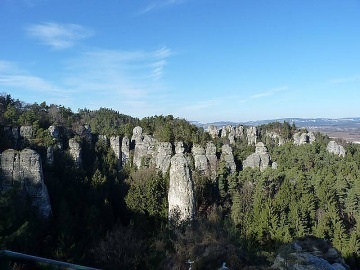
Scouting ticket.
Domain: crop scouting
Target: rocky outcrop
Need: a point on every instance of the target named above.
(258, 160)
(309, 253)
(336, 149)
(239, 132)
(145, 151)
(200, 160)
(228, 157)
(181, 189)
(210, 153)
(137, 136)
(115, 144)
(303, 138)
(50, 155)
(75, 152)
(26, 132)
(54, 132)
(213, 131)
(125, 151)
(251, 135)
(163, 156)
(24, 170)
(275, 137)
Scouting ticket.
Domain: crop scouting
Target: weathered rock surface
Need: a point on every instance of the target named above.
(54, 132)
(210, 153)
(213, 131)
(336, 149)
(75, 152)
(181, 189)
(125, 151)
(251, 135)
(137, 135)
(163, 156)
(24, 169)
(239, 132)
(200, 159)
(309, 253)
(26, 132)
(258, 160)
(303, 138)
(50, 155)
(228, 157)
(145, 151)
(115, 144)
(275, 137)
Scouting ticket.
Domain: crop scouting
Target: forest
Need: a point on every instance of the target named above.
(118, 219)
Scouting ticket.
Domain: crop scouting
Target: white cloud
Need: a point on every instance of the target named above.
(58, 36)
(345, 80)
(269, 92)
(159, 4)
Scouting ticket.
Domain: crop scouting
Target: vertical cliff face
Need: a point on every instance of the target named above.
(303, 138)
(210, 153)
(24, 169)
(125, 151)
(258, 160)
(200, 160)
(115, 144)
(163, 156)
(181, 190)
(251, 135)
(228, 157)
(336, 149)
(75, 152)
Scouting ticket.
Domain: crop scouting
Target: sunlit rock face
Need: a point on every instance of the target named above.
(303, 138)
(260, 159)
(336, 149)
(163, 156)
(115, 144)
(251, 135)
(210, 152)
(125, 151)
(26, 132)
(213, 131)
(75, 152)
(309, 253)
(181, 189)
(24, 170)
(200, 160)
(228, 157)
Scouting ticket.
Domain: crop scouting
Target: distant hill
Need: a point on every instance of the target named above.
(345, 128)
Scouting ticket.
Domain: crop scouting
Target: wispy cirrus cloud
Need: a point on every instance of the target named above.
(270, 92)
(159, 4)
(345, 80)
(58, 36)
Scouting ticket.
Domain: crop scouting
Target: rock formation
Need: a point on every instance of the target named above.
(303, 138)
(125, 151)
(210, 153)
(26, 132)
(213, 131)
(24, 169)
(336, 149)
(228, 157)
(145, 151)
(251, 135)
(260, 159)
(163, 156)
(181, 189)
(309, 253)
(75, 152)
(275, 137)
(50, 155)
(200, 159)
(54, 132)
(115, 144)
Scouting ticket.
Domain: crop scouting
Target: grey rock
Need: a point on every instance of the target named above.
(54, 132)
(303, 138)
(26, 132)
(275, 137)
(210, 153)
(309, 253)
(163, 156)
(213, 131)
(125, 151)
(137, 135)
(75, 152)
(103, 138)
(50, 155)
(336, 149)
(251, 135)
(239, 132)
(115, 145)
(200, 159)
(260, 159)
(24, 169)
(181, 196)
(145, 151)
(179, 148)
(228, 157)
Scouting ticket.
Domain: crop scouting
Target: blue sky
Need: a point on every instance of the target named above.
(203, 60)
